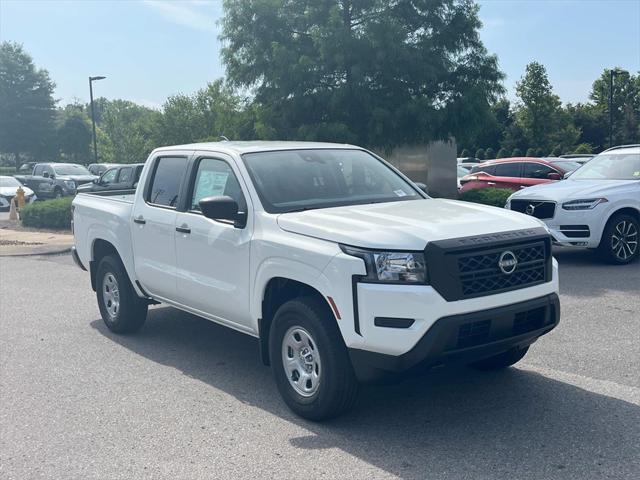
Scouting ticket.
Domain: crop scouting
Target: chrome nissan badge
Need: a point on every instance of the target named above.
(507, 262)
(530, 209)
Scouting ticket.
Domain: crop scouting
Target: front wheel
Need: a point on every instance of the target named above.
(502, 360)
(619, 243)
(121, 309)
(310, 362)
(57, 193)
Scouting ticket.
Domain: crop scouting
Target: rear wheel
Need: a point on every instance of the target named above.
(502, 360)
(121, 309)
(310, 362)
(619, 243)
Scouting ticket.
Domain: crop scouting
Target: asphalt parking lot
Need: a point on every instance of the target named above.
(187, 399)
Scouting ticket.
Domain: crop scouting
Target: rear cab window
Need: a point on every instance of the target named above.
(164, 188)
(125, 174)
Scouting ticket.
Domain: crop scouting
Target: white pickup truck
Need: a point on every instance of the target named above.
(341, 266)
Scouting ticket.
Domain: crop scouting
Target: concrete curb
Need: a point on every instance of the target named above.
(35, 250)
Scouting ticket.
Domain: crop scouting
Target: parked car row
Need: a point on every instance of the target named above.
(597, 206)
(9, 188)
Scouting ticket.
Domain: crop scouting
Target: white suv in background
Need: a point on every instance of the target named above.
(598, 206)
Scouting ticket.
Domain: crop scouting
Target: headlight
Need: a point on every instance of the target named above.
(391, 267)
(583, 204)
(70, 184)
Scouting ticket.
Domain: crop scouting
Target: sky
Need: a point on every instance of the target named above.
(151, 49)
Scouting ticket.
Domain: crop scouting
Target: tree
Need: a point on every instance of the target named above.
(540, 109)
(74, 134)
(516, 152)
(583, 148)
(376, 72)
(531, 152)
(480, 154)
(26, 105)
(465, 153)
(626, 105)
(540, 152)
(490, 154)
(502, 153)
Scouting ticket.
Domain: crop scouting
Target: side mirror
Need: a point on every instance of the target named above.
(45, 174)
(421, 186)
(96, 181)
(567, 175)
(223, 208)
(554, 176)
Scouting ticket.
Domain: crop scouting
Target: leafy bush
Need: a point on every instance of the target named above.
(465, 153)
(480, 154)
(583, 148)
(516, 152)
(531, 152)
(7, 170)
(490, 154)
(502, 153)
(496, 197)
(54, 214)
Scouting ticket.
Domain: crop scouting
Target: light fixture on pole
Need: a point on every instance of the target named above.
(93, 116)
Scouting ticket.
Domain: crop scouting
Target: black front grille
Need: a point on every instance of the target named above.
(535, 208)
(480, 273)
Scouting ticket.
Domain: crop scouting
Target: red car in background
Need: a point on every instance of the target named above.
(512, 173)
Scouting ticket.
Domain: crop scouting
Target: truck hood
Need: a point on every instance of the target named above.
(573, 189)
(79, 179)
(405, 225)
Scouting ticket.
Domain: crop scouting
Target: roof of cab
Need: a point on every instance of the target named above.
(623, 149)
(254, 146)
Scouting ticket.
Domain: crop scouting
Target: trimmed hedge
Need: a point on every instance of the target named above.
(496, 197)
(55, 214)
(7, 171)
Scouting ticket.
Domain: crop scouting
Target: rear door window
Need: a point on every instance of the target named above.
(166, 181)
(508, 170)
(125, 174)
(488, 169)
(39, 170)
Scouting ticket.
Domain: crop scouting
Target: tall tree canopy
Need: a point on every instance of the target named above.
(378, 72)
(27, 106)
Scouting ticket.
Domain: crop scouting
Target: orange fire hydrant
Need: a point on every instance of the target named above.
(19, 198)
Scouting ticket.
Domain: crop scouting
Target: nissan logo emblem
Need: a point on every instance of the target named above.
(507, 262)
(530, 209)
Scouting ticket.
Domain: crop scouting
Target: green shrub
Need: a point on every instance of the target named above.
(516, 152)
(583, 148)
(490, 154)
(531, 152)
(54, 214)
(502, 153)
(7, 170)
(480, 154)
(496, 197)
(465, 153)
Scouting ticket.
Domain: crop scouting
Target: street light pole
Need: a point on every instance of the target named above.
(612, 73)
(93, 117)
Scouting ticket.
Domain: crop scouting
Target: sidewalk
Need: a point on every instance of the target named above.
(17, 241)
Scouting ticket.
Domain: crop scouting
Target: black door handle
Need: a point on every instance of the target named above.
(183, 229)
(139, 220)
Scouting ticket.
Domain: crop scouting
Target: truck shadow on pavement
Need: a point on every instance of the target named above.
(461, 425)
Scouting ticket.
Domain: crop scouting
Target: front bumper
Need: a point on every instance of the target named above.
(466, 338)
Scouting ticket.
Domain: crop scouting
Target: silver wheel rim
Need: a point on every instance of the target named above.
(624, 240)
(301, 361)
(111, 294)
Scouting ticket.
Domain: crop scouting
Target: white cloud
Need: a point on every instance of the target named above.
(195, 14)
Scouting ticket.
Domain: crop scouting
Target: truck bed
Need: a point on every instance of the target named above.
(115, 195)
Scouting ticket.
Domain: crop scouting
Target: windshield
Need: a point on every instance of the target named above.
(295, 180)
(9, 182)
(566, 166)
(71, 169)
(610, 167)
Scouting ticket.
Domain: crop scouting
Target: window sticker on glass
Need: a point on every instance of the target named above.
(400, 193)
(211, 184)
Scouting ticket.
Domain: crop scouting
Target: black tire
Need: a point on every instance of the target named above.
(57, 192)
(503, 360)
(130, 312)
(613, 248)
(337, 386)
